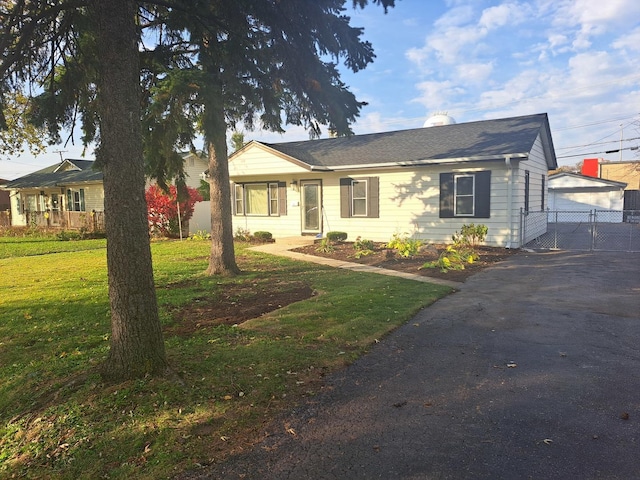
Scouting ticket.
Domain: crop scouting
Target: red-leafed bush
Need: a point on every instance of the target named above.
(162, 209)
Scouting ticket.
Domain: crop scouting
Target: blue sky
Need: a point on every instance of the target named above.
(577, 60)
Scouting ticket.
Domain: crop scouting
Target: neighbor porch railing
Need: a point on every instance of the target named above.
(91, 221)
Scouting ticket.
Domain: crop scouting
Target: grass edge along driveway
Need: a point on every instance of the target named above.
(229, 381)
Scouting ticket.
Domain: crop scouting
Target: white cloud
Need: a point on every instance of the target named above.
(455, 17)
(438, 95)
(474, 72)
(628, 41)
(506, 14)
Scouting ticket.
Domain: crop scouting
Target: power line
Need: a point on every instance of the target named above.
(598, 153)
(598, 143)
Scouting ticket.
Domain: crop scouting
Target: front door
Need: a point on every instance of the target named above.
(311, 194)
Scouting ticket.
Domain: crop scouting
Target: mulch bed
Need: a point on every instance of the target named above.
(386, 258)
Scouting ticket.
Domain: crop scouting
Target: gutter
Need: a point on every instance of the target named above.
(427, 162)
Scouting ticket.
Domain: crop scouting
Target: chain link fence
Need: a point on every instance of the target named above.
(604, 230)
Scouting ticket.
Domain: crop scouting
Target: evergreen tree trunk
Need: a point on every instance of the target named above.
(222, 259)
(137, 346)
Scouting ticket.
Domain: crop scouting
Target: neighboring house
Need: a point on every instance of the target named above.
(5, 206)
(572, 193)
(194, 166)
(425, 182)
(70, 194)
(626, 172)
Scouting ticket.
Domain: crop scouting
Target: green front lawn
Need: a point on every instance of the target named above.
(57, 418)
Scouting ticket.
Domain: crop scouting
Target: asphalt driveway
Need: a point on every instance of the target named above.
(532, 370)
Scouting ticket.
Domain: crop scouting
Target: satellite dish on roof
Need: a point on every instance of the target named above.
(438, 119)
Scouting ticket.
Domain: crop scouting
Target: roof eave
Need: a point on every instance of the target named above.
(433, 161)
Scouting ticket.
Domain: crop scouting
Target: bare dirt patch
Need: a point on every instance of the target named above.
(238, 303)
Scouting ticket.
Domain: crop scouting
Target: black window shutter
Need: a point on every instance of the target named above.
(282, 198)
(446, 195)
(483, 194)
(526, 190)
(345, 197)
(373, 197)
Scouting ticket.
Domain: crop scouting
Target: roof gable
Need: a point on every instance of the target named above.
(471, 141)
(257, 157)
(67, 172)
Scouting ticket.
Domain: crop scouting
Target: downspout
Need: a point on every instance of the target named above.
(507, 162)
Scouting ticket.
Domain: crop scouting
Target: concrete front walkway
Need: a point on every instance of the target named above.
(283, 247)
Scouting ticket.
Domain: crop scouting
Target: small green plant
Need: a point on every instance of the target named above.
(65, 236)
(363, 247)
(242, 234)
(337, 236)
(453, 258)
(471, 234)
(405, 246)
(325, 246)
(263, 236)
(200, 235)
(463, 251)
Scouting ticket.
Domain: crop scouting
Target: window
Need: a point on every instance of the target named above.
(464, 189)
(526, 190)
(465, 195)
(359, 197)
(30, 203)
(260, 199)
(238, 199)
(75, 200)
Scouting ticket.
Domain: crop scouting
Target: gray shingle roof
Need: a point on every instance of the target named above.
(479, 140)
(48, 177)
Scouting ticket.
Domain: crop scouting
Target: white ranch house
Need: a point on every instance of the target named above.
(424, 182)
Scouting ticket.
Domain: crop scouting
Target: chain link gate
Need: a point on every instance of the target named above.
(593, 230)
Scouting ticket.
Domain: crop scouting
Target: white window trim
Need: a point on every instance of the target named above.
(272, 195)
(365, 198)
(472, 195)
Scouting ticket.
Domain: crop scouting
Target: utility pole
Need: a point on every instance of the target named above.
(621, 131)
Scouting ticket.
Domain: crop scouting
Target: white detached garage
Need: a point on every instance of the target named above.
(571, 192)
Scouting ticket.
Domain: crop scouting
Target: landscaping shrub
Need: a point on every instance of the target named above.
(263, 236)
(463, 251)
(325, 246)
(242, 235)
(471, 234)
(337, 236)
(363, 247)
(405, 246)
(162, 209)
